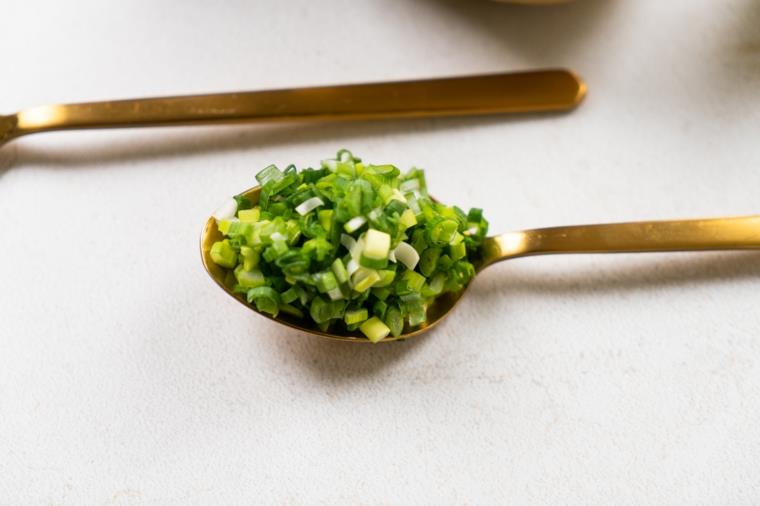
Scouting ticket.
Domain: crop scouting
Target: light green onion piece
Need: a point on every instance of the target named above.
(335, 293)
(251, 257)
(394, 320)
(386, 278)
(364, 279)
(341, 274)
(457, 251)
(326, 218)
(291, 310)
(224, 225)
(326, 281)
(249, 215)
(250, 279)
(356, 316)
(266, 299)
(222, 253)
(375, 329)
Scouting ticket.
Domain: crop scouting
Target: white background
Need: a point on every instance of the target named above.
(127, 377)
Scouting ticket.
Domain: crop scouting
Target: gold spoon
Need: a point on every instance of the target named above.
(638, 237)
(544, 90)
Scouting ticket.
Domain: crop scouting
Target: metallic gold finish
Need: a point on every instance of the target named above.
(636, 237)
(546, 90)
(738, 233)
(534, 2)
(7, 128)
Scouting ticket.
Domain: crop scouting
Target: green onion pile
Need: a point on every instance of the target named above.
(347, 245)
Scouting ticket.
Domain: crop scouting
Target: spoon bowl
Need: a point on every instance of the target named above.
(738, 233)
(435, 311)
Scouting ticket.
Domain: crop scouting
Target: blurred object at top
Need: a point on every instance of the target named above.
(534, 2)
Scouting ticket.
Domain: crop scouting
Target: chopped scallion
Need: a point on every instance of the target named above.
(348, 245)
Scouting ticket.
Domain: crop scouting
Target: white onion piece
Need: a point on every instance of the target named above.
(414, 205)
(278, 237)
(354, 224)
(309, 205)
(352, 266)
(348, 241)
(332, 165)
(375, 213)
(377, 244)
(359, 248)
(226, 210)
(407, 255)
(409, 185)
(353, 246)
(392, 255)
(335, 293)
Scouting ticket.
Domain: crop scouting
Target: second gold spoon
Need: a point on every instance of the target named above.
(735, 233)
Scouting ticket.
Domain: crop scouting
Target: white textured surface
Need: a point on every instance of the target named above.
(126, 377)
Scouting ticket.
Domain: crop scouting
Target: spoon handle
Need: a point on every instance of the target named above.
(546, 90)
(646, 236)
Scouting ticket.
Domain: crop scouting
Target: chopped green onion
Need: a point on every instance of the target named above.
(224, 225)
(326, 281)
(271, 173)
(442, 232)
(350, 246)
(249, 279)
(365, 278)
(354, 224)
(416, 315)
(349, 243)
(352, 266)
(379, 309)
(249, 215)
(266, 299)
(409, 186)
(226, 210)
(457, 251)
(377, 244)
(394, 321)
(291, 310)
(289, 295)
(309, 205)
(434, 286)
(429, 261)
(372, 263)
(407, 255)
(411, 281)
(222, 253)
(356, 316)
(341, 274)
(326, 219)
(335, 293)
(386, 278)
(375, 329)
(242, 202)
(408, 219)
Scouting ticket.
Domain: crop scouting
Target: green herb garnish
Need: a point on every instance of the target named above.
(351, 245)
